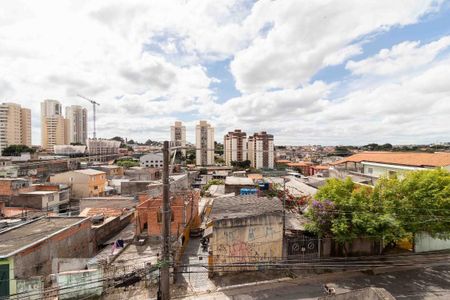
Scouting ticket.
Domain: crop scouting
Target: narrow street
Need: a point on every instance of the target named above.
(431, 283)
(195, 277)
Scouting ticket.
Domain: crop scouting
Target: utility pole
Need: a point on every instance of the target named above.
(164, 278)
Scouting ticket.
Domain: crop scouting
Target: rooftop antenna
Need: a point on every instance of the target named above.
(94, 103)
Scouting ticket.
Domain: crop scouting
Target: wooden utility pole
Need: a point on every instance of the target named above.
(164, 278)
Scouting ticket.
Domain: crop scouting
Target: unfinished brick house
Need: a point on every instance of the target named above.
(184, 212)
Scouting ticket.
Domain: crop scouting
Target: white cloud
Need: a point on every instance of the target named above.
(306, 35)
(402, 57)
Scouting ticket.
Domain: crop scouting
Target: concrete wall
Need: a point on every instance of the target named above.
(109, 229)
(358, 247)
(80, 284)
(69, 264)
(30, 288)
(133, 187)
(37, 260)
(107, 203)
(257, 238)
(423, 242)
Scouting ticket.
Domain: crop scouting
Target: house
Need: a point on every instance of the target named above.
(142, 173)
(184, 211)
(234, 184)
(244, 229)
(27, 250)
(44, 196)
(111, 171)
(83, 183)
(304, 167)
(151, 160)
(375, 164)
(10, 187)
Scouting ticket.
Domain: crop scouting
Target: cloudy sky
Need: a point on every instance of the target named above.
(310, 72)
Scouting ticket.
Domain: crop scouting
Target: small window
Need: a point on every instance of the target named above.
(370, 170)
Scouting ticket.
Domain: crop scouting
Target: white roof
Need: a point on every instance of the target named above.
(90, 172)
(234, 180)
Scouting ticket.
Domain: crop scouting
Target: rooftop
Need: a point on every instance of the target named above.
(438, 159)
(90, 172)
(244, 206)
(234, 180)
(26, 235)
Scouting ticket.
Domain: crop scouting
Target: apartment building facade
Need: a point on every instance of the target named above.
(261, 150)
(204, 144)
(235, 146)
(76, 125)
(178, 135)
(15, 125)
(52, 124)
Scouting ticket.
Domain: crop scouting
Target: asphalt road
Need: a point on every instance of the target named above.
(424, 283)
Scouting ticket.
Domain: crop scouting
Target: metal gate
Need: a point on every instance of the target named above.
(302, 247)
(4, 280)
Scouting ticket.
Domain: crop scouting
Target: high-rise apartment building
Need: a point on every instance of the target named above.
(261, 150)
(235, 146)
(178, 135)
(52, 124)
(76, 125)
(15, 125)
(204, 144)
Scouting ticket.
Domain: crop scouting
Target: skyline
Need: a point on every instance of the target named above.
(308, 73)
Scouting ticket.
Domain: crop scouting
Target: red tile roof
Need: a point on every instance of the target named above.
(438, 159)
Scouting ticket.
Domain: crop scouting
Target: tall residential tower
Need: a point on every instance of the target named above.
(178, 135)
(204, 144)
(235, 146)
(15, 125)
(261, 150)
(76, 125)
(52, 124)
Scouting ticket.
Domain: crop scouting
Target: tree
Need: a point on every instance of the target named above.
(118, 138)
(245, 164)
(17, 150)
(346, 210)
(131, 142)
(127, 162)
(190, 156)
(420, 200)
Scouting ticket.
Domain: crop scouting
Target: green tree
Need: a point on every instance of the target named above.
(16, 150)
(346, 210)
(241, 165)
(420, 200)
(118, 138)
(127, 162)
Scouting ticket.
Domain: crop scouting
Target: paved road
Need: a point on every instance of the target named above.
(425, 283)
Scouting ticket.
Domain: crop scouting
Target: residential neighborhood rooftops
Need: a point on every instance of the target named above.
(26, 235)
(438, 159)
(244, 206)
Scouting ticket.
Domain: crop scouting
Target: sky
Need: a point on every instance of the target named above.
(308, 72)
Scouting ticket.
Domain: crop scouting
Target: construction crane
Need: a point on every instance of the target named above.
(94, 103)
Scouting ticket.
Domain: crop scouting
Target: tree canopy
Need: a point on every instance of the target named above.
(16, 150)
(417, 201)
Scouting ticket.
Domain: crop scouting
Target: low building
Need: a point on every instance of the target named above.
(152, 160)
(244, 229)
(27, 250)
(304, 167)
(141, 173)
(10, 187)
(111, 171)
(234, 184)
(184, 210)
(83, 183)
(372, 165)
(103, 147)
(69, 150)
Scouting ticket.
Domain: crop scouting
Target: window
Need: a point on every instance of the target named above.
(96, 187)
(370, 170)
(391, 174)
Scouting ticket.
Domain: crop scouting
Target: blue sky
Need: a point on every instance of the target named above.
(309, 72)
